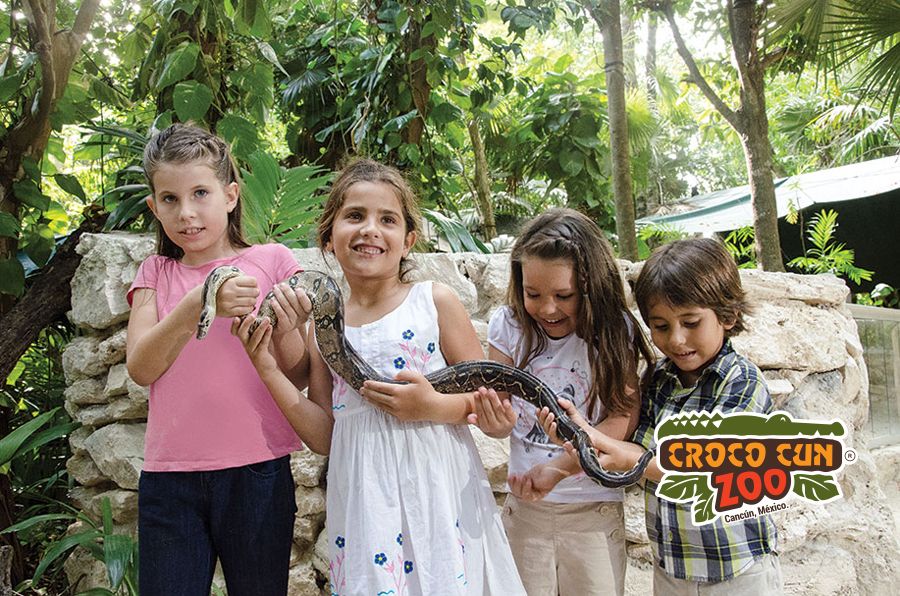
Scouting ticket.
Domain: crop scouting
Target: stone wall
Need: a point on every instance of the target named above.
(801, 335)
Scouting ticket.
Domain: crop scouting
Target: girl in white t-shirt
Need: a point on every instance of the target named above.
(568, 324)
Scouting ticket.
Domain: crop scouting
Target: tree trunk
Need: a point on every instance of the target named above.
(650, 62)
(611, 29)
(749, 120)
(482, 183)
(628, 53)
(744, 24)
(418, 81)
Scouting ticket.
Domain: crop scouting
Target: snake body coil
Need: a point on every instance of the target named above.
(328, 312)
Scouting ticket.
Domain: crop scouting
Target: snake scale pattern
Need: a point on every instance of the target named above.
(328, 313)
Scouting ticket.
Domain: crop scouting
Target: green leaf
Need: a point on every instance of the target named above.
(9, 85)
(571, 161)
(12, 277)
(71, 185)
(192, 100)
(37, 519)
(39, 247)
(681, 487)
(703, 508)
(240, 134)
(85, 539)
(9, 226)
(117, 552)
(816, 487)
(178, 65)
(15, 373)
(10, 444)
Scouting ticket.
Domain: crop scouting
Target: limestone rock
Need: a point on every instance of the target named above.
(793, 335)
(302, 581)
(108, 266)
(310, 501)
(118, 450)
(84, 471)
(80, 359)
(308, 467)
(86, 392)
(764, 286)
(442, 268)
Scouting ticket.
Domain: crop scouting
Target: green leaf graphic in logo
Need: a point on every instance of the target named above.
(703, 507)
(816, 487)
(681, 487)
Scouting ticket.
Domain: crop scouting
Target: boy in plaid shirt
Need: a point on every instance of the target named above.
(689, 294)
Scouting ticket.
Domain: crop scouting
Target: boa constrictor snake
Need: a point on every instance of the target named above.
(328, 313)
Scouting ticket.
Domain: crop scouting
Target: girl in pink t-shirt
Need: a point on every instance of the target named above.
(216, 483)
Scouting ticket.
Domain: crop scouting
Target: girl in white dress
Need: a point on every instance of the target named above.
(409, 506)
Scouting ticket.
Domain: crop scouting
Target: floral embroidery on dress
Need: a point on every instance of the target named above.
(397, 568)
(463, 577)
(338, 392)
(336, 566)
(413, 356)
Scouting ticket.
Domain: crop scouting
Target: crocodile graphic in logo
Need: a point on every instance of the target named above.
(724, 462)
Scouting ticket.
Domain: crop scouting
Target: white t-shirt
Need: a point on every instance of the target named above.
(564, 366)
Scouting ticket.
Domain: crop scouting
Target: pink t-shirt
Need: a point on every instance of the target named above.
(210, 410)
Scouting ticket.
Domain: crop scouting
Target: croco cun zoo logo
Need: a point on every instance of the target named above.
(739, 465)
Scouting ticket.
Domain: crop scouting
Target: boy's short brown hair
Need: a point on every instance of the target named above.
(698, 272)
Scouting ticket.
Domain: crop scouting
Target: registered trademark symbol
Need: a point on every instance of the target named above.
(850, 455)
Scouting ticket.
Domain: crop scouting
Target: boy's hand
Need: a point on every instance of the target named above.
(291, 306)
(536, 483)
(237, 297)
(493, 415)
(613, 455)
(256, 344)
(416, 400)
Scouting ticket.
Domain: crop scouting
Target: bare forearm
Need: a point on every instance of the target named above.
(153, 353)
(292, 357)
(452, 408)
(311, 423)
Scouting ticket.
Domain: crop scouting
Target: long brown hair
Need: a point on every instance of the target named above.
(185, 144)
(368, 170)
(614, 337)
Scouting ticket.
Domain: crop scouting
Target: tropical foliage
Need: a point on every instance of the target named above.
(298, 86)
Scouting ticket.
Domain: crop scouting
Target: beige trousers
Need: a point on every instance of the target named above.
(564, 549)
(763, 578)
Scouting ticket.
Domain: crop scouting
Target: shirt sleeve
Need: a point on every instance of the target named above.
(744, 390)
(504, 332)
(146, 278)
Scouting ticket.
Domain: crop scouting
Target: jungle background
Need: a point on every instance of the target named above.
(495, 110)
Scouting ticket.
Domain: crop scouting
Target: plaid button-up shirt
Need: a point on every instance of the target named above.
(717, 551)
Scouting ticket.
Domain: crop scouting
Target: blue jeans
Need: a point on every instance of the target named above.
(242, 516)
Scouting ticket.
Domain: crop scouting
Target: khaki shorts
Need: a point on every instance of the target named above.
(763, 578)
(567, 549)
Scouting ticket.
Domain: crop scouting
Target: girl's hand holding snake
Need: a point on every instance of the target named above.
(291, 306)
(237, 297)
(256, 344)
(414, 401)
(494, 415)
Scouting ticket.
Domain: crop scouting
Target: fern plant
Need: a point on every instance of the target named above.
(741, 244)
(281, 204)
(827, 255)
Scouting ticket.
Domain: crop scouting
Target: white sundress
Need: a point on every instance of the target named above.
(410, 509)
